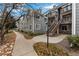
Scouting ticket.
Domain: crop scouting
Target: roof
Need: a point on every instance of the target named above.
(35, 12)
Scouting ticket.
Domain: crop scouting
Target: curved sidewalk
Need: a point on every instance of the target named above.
(43, 38)
(23, 47)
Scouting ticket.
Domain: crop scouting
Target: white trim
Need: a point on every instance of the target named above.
(73, 19)
(33, 22)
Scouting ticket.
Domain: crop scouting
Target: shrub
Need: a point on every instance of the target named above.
(21, 30)
(33, 34)
(30, 33)
(73, 40)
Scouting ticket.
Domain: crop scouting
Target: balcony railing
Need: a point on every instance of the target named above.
(66, 21)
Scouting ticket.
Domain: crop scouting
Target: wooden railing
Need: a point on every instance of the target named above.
(54, 26)
(66, 21)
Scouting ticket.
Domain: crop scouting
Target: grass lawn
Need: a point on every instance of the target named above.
(7, 47)
(53, 50)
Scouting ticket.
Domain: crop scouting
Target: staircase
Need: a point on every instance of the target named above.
(54, 27)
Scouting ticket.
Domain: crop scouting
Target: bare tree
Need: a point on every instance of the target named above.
(7, 12)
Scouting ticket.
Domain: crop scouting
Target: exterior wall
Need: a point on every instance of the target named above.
(31, 23)
(25, 23)
(65, 14)
(41, 25)
(77, 18)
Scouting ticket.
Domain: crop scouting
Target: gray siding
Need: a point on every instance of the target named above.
(42, 24)
(77, 18)
(25, 23)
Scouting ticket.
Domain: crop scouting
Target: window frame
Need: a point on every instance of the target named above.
(36, 26)
(65, 28)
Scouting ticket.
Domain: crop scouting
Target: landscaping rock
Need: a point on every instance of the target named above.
(11, 46)
(4, 46)
(7, 44)
(0, 51)
(6, 49)
(8, 52)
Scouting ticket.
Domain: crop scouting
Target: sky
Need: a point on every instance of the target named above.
(43, 6)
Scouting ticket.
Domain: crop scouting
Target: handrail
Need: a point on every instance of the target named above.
(54, 22)
(54, 26)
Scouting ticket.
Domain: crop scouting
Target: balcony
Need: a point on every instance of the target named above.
(66, 9)
(66, 21)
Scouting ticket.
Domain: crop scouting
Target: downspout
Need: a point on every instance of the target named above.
(58, 19)
(73, 19)
(33, 22)
(58, 14)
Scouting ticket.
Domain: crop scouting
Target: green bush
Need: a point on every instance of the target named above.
(74, 40)
(33, 34)
(30, 33)
(21, 30)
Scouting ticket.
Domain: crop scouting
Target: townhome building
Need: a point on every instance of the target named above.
(62, 19)
(34, 21)
(62, 14)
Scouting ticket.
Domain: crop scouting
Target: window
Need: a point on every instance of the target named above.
(67, 18)
(45, 19)
(69, 7)
(30, 27)
(38, 16)
(64, 27)
(27, 20)
(18, 22)
(38, 26)
(65, 9)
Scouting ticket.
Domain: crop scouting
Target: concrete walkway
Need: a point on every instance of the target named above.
(24, 47)
(43, 38)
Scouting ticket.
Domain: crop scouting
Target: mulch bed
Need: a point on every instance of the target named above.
(7, 47)
(41, 49)
(53, 50)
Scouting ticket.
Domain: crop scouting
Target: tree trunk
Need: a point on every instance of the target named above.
(7, 30)
(2, 35)
(58, 30)
(2, 38)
